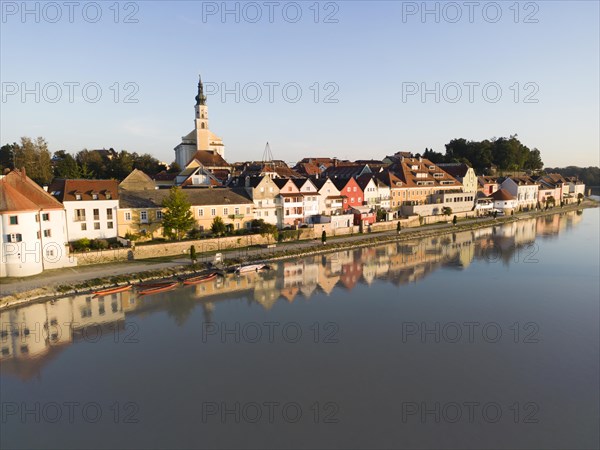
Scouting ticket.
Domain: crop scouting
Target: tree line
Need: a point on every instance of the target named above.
(503, 154)
(42, 167)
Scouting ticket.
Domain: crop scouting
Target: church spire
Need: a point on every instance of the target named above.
(200, 98)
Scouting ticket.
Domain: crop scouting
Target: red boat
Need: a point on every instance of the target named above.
(157, 289)
(154, 284)
(112, 290)
(201, 279)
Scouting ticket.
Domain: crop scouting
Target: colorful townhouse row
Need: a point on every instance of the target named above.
(38, 224)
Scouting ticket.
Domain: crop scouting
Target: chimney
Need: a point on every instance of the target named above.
(23, 174)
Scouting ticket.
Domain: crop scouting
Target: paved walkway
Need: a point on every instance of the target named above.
(75, 275)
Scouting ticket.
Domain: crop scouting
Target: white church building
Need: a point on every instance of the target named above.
(200, 138)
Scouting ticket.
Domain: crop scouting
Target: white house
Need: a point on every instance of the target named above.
(310, 196)
(330, 199)
(33, 232)
(523, 189)
(91, 207)
(504, 201)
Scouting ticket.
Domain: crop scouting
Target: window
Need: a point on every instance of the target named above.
(37, 217)
(109, 213)
(49, 252)
(83, 226)
(47, 233)
(109, 225)
(144, 216)
(46, 217)
(213, 212)
(77, 196)
(96, 225)
(225, 211)
(127, 216)
(14, 220)
(159, 214)
(96, 214)
(39, 235)
(15, 237)
(108, 196)
(248, 209)
(94, 196)
(236, 211)
(200, 212)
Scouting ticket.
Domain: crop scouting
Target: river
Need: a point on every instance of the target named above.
(478, 339)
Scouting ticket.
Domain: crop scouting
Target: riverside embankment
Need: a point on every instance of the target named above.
(78, 280)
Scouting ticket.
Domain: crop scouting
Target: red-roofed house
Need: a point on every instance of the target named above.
(91, 207)
(33, 232)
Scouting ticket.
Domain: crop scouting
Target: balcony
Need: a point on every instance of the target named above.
(236, 216)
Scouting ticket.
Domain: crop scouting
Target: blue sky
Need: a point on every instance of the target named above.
(375, 53)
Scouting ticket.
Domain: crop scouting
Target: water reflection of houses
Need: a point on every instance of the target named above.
(34, 334)
(39, 331)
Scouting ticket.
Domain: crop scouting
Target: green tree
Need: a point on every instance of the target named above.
(324, 237)
(177, 217)
(579, 198)
(7, 156)
(34, 157)
(446, 210)
(147, 164)
(265, 229)
(193, 254)
(67, 167)
(95, 165)
(454, 220)
(218, 227)
(120, 165)
(398, 227)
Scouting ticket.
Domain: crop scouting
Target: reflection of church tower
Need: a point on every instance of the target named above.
(201, 138)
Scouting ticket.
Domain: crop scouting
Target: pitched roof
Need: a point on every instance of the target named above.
(18, 192)
(137, 180)
(418, 172)
(209, 159)
(502, 194)
(66, 190)
(364, 180)
(197, 197)
(163, 175)
(455, 169)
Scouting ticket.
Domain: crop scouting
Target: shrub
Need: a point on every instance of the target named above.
(81, 244)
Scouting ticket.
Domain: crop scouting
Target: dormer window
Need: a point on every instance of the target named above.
(108, 196)
(77, 196)
(94, 196)
(431, 167)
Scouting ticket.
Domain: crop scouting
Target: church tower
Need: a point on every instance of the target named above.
(201, 123)
(201, 138)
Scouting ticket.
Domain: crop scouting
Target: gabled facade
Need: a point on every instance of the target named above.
(396, 187)
(463, 173)
(264, 193)
(33, 228)
(369, 188)
(292, 203)
(310, 197)
(330, 199)
(576, 188)
(351, 191)
(90, 205)
(523, 189)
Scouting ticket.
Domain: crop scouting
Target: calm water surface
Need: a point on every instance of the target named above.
(483, 339)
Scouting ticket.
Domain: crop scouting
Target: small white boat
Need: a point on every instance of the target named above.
(250, 268)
